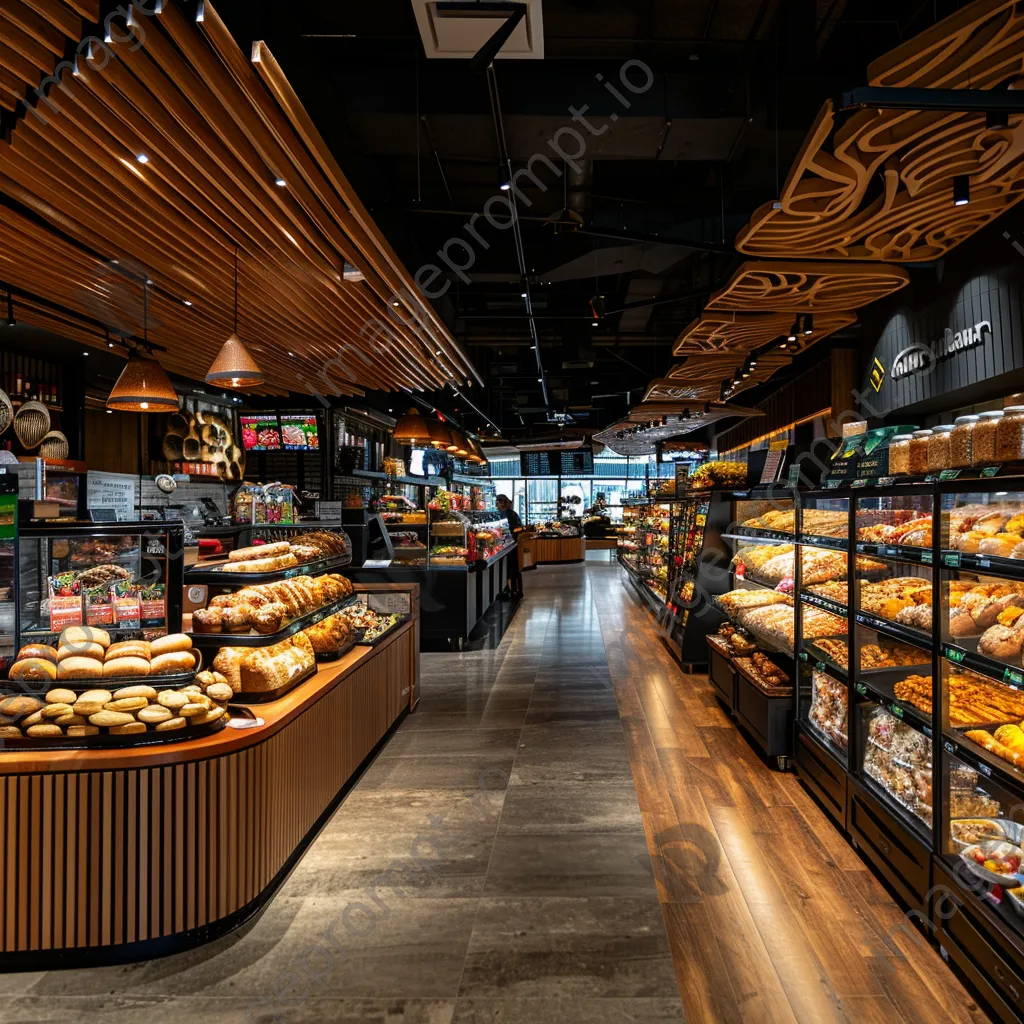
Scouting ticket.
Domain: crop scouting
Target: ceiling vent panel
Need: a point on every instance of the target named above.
(457, 30)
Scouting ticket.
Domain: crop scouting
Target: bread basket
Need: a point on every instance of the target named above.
(6, 411)
(54, 446)
(31, 424)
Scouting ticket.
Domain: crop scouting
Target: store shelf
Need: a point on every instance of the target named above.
(824, 604)
(906, 817)
(896, 553)
(966, 653)
(881, 692)
(746, 534)
(990, 565)
(208, 640)
(832, 543)
(983, 761)
(216, 576)
(896, 630)
(822, 662)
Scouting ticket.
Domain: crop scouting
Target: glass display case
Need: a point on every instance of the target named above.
(460, 538)
(8, 571)
(652, 554)
(123, 577)
(627, 542)
(557, 528)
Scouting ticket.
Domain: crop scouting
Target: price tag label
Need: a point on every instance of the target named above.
(954, 655)
(376, 563)
(984, 769)
(982, 561)
(886, 481)
(952, 559)
(859, 483)
(926, 558)
(1014, 677)
(931, 478)
(896, 710)
(861, 689)
(990, 471)
(803, 656)
(948, 747)
(949, 474)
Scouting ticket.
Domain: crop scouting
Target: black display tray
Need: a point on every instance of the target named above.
(266, 696)
(361, 633)
(880, 692)
(207, 640)
(824, 603)
(818, 659)
(106, 740)
(341, 651)
(26, 687)
(746, 533)
(214, 575)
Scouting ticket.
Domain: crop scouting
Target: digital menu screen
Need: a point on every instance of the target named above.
(577, 462)
(535, 463)
(261, 433)
(571, 462)
(299, 433)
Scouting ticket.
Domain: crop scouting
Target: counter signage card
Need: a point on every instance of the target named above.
(773, 463)
(387, 604)
(261, 433)
(682, 478)
(299, 433)
(118, 491)
(330, 511)
(376, 563)
(103, 515)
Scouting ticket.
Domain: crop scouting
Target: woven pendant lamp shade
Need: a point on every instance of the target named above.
(412, 428)
(459, 446)
(143, 387)
(438, 434)
(234, 367)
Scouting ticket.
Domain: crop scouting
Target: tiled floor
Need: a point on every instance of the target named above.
(518, 849)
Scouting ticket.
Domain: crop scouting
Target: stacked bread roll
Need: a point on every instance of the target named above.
(330, 634)
(266, 607)
(259, 669)
(86, 653)
(130, 710)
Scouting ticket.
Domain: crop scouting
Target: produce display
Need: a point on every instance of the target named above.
(973, 699)
(829, 710)
(719, 474)
(997, 857)
(903, 599)
(260, 669)
(988, 530)
(267, 607)
(905, 527)
(86, 653)
(899, 759)
(129, 710)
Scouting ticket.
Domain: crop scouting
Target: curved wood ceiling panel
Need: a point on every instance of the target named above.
(33, 37)
(740, 333)
(806, 287)
(215, 137)
(881, 187)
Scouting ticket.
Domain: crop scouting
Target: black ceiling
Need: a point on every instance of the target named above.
(658, 197)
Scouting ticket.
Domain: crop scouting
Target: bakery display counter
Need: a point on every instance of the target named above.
(550, 549)
(119, 854)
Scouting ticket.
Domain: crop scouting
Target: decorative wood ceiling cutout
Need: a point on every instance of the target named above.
(805, 287)
(208, 182)
(33, 39)
(881, 189)
(740, 333)
(645, 441)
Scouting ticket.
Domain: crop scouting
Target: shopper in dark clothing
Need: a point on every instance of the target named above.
(515, 524)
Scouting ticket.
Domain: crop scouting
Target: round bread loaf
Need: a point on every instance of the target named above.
(76, 636)
(142, 690)
(80, 668)
(70, 719)
(173, 700)
(170, 725)
(82, 729)
(129, 649)
(80, 651)
(193, 710)
(125, 668)
(219, 692)
(155, 714)
(44, 651)
(34, 669)
(36, 718)
(128, 728)
(13, 707)
(170, 644)
(173, 662)
(110, 719)
(12, 732)
(44, 730)
(91, 702)
(60, 696)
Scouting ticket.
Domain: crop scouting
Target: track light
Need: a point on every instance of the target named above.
(808, 323)
(784, 344)
(794, 330)
(505, 186)
(961, 190)
(280, 182)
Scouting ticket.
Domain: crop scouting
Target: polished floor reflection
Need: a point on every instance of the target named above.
(568, 829)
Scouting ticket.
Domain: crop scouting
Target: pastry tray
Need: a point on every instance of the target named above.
(266, 696)
(360, 633)
(108, 740)
(341, 651)
(207, 640)
(214, 575)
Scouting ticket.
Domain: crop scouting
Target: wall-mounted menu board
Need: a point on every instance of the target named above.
(299, 432)
(261, 433)
(559, 462)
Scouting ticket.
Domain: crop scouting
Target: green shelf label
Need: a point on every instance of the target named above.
(1014, 677)
(861, 689)
(931, 478)
(990, 471)
(926, 558)
(952, 559)
(803, 656)
(953, 655)
(949, 474)
(896, 710)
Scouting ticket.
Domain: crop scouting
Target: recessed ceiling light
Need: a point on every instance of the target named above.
(505, 186)
(149, 280)
(540, 380)
(438, 352)
(292, 354)
(110, 412)
(594, 324)
(188, 302)
(280, 182)
(142, 158)
(522, 295)
(394, 303)
(85, 353)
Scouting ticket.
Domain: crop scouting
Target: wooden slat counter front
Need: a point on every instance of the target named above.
(113, 855)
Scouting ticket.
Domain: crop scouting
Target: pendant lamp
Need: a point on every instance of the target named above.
(412, 428)
(438, 434)
(234, 367)
(143, 385)
(459, 446)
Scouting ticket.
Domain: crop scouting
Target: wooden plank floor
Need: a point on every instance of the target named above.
(771, 914)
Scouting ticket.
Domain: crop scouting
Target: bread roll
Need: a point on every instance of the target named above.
(15, 707)
(171, 724)
(80, 668)
(1002, 544)
(46, 729)
(60, 696)
(126, 668)
(80, 651)
(44, 651)
(1011, 736)
(176, 661)
(219, 692)
(961, 623)
(275, 564)
(170, 644)
(228, 662)
(35, 669)
(260, 551)
(207, 620)
(76, 636)
(55, 710)
(91, 702)
(127, 729)
(172, 699)
(270, 618)
(193, 710)
(126, 704)
(70, 719)
(82, 729)
(237, 619)
(1001, 642)
(141, 690)
(111, 719)
(10, 732)
(208, 716)
(36, 718)
(155, 714)
(128, 649)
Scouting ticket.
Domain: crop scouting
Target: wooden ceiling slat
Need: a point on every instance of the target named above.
(20, 66)
(38, 56)
(53, 16)
(21, 15)
(89, 10)
(12, 85)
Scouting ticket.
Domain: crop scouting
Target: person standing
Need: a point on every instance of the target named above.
(515, 524)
